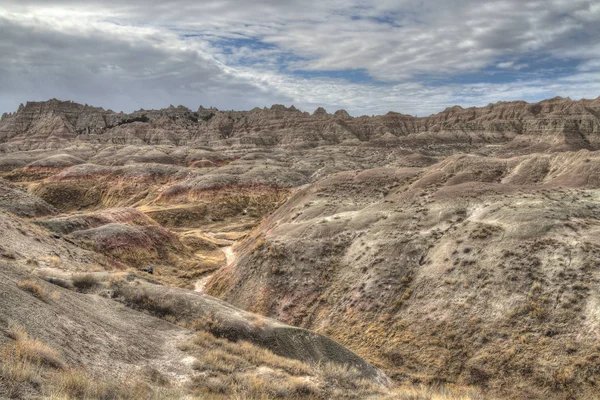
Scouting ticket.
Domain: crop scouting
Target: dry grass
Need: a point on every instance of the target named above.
(258, 320)
(16, 332)
(33, 350)
(241, 370)
(34, 288)
(39, 353)
(16, 370)
(244, 371)
(23, 361)
(79, 385)
(271, 385)
(227, 356)
(429, 393)
(258, 385)
(54, 261)
(206, 322)
(28, 366)
(228, 370)
(346, 379)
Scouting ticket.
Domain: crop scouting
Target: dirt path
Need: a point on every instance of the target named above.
(230, 258)
(229, 254)
(173, 362)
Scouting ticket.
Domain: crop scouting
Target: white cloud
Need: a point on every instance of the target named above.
(116, 66)
(511, 65)
(416, 98)
(129, 54)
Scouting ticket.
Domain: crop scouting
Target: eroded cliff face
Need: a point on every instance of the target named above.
(555, 124)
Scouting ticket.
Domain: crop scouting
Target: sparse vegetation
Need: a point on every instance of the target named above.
(22, 361)
(75, 385)
(27, 364)
(33, 350)
(242, 370)
(16, 371)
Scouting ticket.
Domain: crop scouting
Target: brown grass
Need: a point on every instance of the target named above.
(206, 322)
(221, 354)
(228, 371)
(22, 362)
(345, 378)
(73, 384)
(33, 350)
(28, 365)
(54, 261)
(244, 371)
(432, 393)
(241, 370)
(271, 386)
(16, 371)
(34, 288)
(39, 353)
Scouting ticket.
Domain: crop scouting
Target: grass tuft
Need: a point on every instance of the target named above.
(34, 288)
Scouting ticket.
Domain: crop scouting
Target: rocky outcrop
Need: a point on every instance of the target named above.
(79, 222)
(554, 124)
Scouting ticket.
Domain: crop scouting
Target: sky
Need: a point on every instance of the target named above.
(367, 57)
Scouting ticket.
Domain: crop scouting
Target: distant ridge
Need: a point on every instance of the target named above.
(54, 121)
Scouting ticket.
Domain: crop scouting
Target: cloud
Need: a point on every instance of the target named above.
(511, 65)
(112, 65)
(413, 56)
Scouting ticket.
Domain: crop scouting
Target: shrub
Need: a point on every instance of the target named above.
(205, 323)
(84, 282)
(141, 299)
(16, 332)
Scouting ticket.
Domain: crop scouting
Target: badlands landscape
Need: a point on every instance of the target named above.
(300, 255)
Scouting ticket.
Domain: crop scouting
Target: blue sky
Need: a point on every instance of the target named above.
(368, 57)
